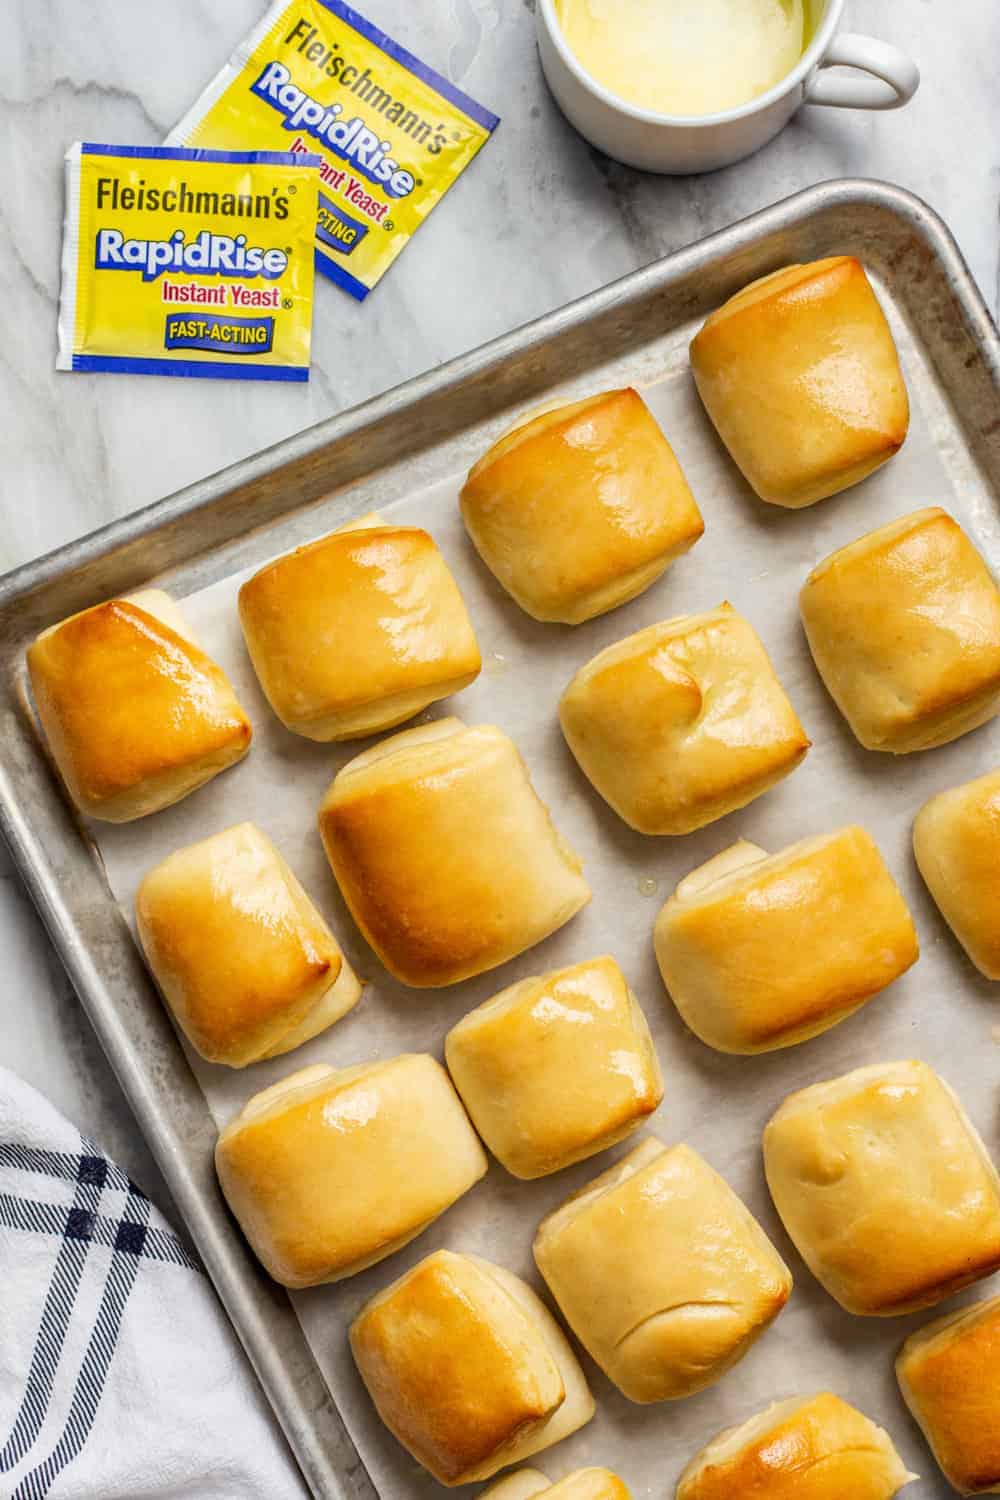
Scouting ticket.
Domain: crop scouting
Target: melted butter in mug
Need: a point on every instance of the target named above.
(686, 57)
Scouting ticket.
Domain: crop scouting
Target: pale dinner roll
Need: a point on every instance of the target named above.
(949, 1374)
(589, 1484)
(682, 722)
(584, 1484)
(524, 1485)
(556, 1068)
(662, 1272)
(800, 376)
(135, 714)
(467, 1368)
(333, 1169)
(243, 958)
(581, 507)
(762, 951)
(885, 1188)
(358, 631)
(904, 628)
(956, 840)
(444, 853)
(807, 1448)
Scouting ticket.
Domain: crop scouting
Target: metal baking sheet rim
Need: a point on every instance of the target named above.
(65, 883)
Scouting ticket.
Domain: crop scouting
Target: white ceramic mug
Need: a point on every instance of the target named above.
(700, 143)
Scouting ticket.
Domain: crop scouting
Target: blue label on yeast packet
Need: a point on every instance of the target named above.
(220, 335)
(337, 229)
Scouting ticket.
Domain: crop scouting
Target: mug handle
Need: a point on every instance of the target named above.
(895, 79)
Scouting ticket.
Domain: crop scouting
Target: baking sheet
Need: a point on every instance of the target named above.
(756, 557)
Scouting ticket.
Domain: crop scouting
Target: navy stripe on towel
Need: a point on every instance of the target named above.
(98, 1229)
(78, 1225)
(56, 1312)
(86, 1166)
(122, 1271)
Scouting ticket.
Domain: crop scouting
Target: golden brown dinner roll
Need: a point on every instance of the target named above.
(904, 628)
(467, 1368)
(762, 951)
(885, 1188)
(556, 1068)
(584, 1484)
(243, 958)
(662, 1273)
(808, 1448)
(949, 1373)
(682, 722)
(333, 1169)
(801, 378)
(581, 507)
(447, 859)
(135, 714)
(956, 839)
(358, 631)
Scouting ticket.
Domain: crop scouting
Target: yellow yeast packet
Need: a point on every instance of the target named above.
(179, 262)
(393, 135)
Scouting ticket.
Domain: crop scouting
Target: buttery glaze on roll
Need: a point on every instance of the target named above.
(956, 840)
(584, 1484)
(358, 631)
(332, 1170)
(683, 722)
(444, 853)
(807, 1448)
(762, 951)
(580, 508)
(556, 1068)
(662, 1273)
(904, 628)
(885, 1188)
(135, 714)
(949, 1374)
(243, 958)
(800, 376)
(467, 1368)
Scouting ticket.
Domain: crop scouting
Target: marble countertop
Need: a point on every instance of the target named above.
(539, 219)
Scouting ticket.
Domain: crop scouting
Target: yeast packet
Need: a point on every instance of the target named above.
(180, 262)
(392, 134)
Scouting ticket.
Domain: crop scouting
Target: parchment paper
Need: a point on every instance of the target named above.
(756, 556)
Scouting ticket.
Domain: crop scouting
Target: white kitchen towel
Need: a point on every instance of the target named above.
(120, 1378)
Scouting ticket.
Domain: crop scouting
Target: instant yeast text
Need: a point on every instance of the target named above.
(179, 262)
(392, 134)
